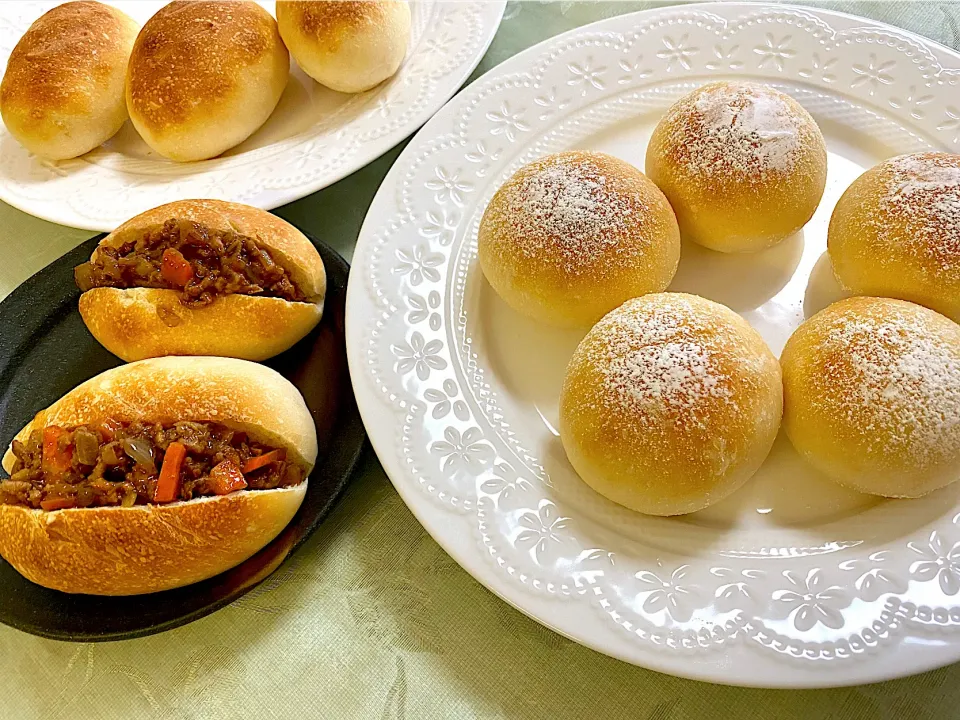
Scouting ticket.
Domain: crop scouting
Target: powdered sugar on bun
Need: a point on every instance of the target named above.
(898, 378)
(570, 211)
(744, 165)
(896, 232)
(923, 194)
(656, 358)
(873, 395)
(670, 403)
(741, 129)
(737, 129)
(572, 235)
(569, 203)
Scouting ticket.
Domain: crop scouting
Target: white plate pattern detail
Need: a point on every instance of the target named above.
(830, 606)
(313, 139)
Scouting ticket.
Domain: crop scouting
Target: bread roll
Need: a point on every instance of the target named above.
(571, 236)
(146, 548)
(347, 46)
(204, 76)
(872, 396)
(62, 92)
(743, 165)
(670, 403)
(896, 232)
(140, 322)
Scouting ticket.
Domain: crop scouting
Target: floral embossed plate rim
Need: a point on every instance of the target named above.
(793, 581)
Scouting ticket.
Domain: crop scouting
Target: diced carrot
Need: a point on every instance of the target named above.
(175, 268)
(168, 483)
(226, 477)
(259, 461)
(108, 428)
(57, 503)
(56, 456)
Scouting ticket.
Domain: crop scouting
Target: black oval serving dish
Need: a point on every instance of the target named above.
(46, 350)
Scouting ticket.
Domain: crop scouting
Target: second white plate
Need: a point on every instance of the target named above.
(791, 582)
(314, 137)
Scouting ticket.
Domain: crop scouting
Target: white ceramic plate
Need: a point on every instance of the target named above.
(791, 582)
(314, 137)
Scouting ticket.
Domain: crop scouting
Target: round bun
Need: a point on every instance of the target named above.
(896, 232)
(62, 92)
(158, 547)
(138, 323)
(872, 396)
(743, 165)
(204, 76)
(670, 403)
(347, 46)
(571, 236)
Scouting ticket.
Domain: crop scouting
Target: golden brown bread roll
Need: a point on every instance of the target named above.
(204, 76)
(142, 548)
(347, 46)
(895, 232)
(571, 236)
(872, 395)
(743, 165)
(62, 92)
(670, 403)
(137, 313)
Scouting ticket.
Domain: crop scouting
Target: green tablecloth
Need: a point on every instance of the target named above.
(371, 619)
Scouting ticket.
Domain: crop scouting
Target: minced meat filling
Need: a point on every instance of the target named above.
(186, 256)
(112, 463)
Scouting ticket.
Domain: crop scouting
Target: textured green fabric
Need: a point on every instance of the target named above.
(371, 619)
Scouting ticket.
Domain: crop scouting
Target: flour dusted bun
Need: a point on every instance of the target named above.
(146, 548)
(571, 236)
(62, 92)
(140, 322)
(347, 46)
(896, 232)
(743, 165)
(204, 75)
(670, 403)
(872, 396)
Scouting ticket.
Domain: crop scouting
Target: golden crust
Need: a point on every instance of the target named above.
(139, 323)
(669, 404)
(288, 247)
(331, 22)
(895, 232)
(571, 236)
(731, 192)
(62, 92)
(347, 46)
(872, 395)
(203, 76)
(240, 394)
(143, 549)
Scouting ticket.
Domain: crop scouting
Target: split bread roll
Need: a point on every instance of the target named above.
(895, 232)
(346, 46)
(62, 92)
(743, 165)
(670, 403)
(204, 76)
(571, 236)
(135, 321)
(142, 548)
(872, 396)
